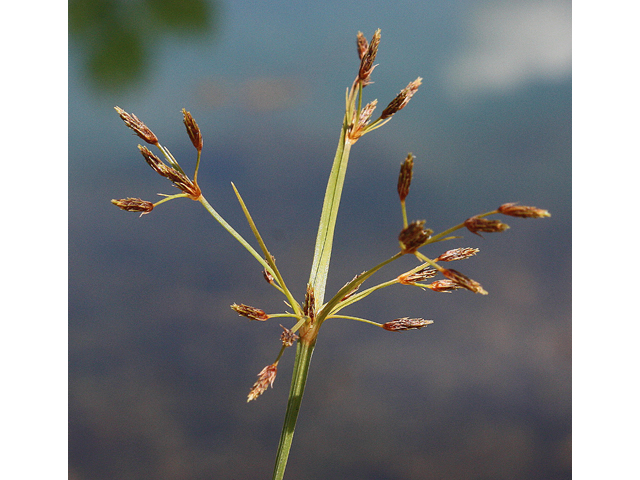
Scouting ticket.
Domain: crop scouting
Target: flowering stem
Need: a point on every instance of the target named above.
(195, 174)
(304, 351)
(405, 222)
(357, 319)
(317, 283)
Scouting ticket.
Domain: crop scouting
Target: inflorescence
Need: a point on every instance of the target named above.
(413, 236)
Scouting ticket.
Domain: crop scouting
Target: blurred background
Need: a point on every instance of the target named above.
(160, 366)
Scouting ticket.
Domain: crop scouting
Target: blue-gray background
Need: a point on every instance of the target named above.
(159, 364)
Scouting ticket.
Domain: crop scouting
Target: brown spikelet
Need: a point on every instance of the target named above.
(457, 254)
(267, 276)
(443, 286)
(401, 99)
(309, 308)
(179, 179)
(287, 337)
(463, 281)
(362, 44)
(405, 176)
(184, 183)
(406, 323)
(414, 236)
(153, 161)
(192, 130)
(362, 122)
(367, 59)
(409, 278)
(265, 378)
(251, 313)
(479, 224)
(135, 124)
(522, 211)
(133, 205)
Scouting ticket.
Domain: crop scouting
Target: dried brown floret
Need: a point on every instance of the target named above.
(362, 44)
(457, 254)
(135, 124)
(287, 337)
(401, 99)
(464, 281)
(133, 205)
(406, 323)
(363, 120)
(480, 224)
(419, 276)
(309, 308)
(367, 59)
(251, 313)
(522, 211)
(192, 130)
(405, 176)
(443, 286)
(265, 378)
(414, 236)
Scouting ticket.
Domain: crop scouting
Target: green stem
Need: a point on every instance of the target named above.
(233, 233)
(357, 319)
(304, 351)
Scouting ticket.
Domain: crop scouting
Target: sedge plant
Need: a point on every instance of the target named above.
(309, 314)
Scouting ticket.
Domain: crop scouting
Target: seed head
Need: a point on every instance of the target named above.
(309, 308)
(265, 378)
(184, 183)
(401, 99)
(414, 236)
(133, 205)
(287, 337)
(192, 130)
(153, 161)
(406, 323)
(464, 281)
(251, 313)
(360, 126)
(522, 211)
(480, 224)
(457, 254)
(406, 174)
(137, 126)
(267, 276)
(409, 278)
(443, 286)
(362, 44)
(367, 59)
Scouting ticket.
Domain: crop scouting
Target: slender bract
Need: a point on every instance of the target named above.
(326, 229)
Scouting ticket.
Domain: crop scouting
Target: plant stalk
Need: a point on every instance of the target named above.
(304, 351)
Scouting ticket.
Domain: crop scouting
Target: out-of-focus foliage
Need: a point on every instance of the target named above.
(117, 38)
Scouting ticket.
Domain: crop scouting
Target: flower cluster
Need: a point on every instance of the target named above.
(414, 236)
(173, 172)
